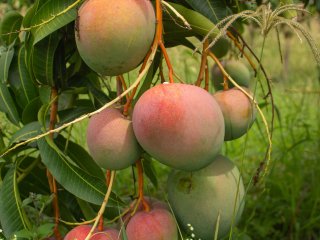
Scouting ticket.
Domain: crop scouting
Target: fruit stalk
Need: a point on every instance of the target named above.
(140, 199)
(206, 77)
(124, 85)
(203, 63)
(51, 180)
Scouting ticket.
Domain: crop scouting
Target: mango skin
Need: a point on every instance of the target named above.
(78, 233)
(107, 234)
(238, 110)
(81, 232)
(157, 224)
(180, 125)
(238, 71)
(114, 36)
(111, 141)
(153, 203)
(199, 198)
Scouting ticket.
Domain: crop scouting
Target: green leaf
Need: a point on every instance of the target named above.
(45, 94)
(30, 112)
(7, 104)
(29, 90)
(66, 100)
(28, 131)
(22, 85)
(72, 178)
(123, 232)
(173, 42)
(70, 114)
(10, 26)
(149, 169)
(45, 230)
(96, 93)
(215, 10)
(86, 209)
(31, 12)
(43, 59)
(148, 79)
(43, 116)
(2, 144)
(6, 56)
(200, 24)
(80, 157)
(12, 215)
(35, 180)
(23, 234)
(48, 19)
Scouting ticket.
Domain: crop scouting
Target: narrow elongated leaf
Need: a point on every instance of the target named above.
(27, 131)
(86, 209)
(72, 178)
(72, 113)
(6, 56)
(215, 10)
(43, 59)
(31, 12)
(43, 116)
(22, 84)
(45, 94)
(180, 41)
(150, 75)
(50, 23)
(2, 144)
(10, 26)
(96, 93)
(30, 112)
(37, 181)
(149, 170)
(7, 104)
(12, 215)
(199, 23)
(81, 157)
(28, 89)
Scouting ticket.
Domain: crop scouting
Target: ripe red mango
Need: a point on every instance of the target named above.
(111, 141)
(156, 224)
(180, 125)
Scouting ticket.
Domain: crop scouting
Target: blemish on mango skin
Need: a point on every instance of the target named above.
(185, 184)
(77, 27)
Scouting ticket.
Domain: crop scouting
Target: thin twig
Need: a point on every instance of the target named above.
(203, 63)
(103, 206)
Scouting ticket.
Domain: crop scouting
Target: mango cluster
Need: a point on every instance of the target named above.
(180, 125)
